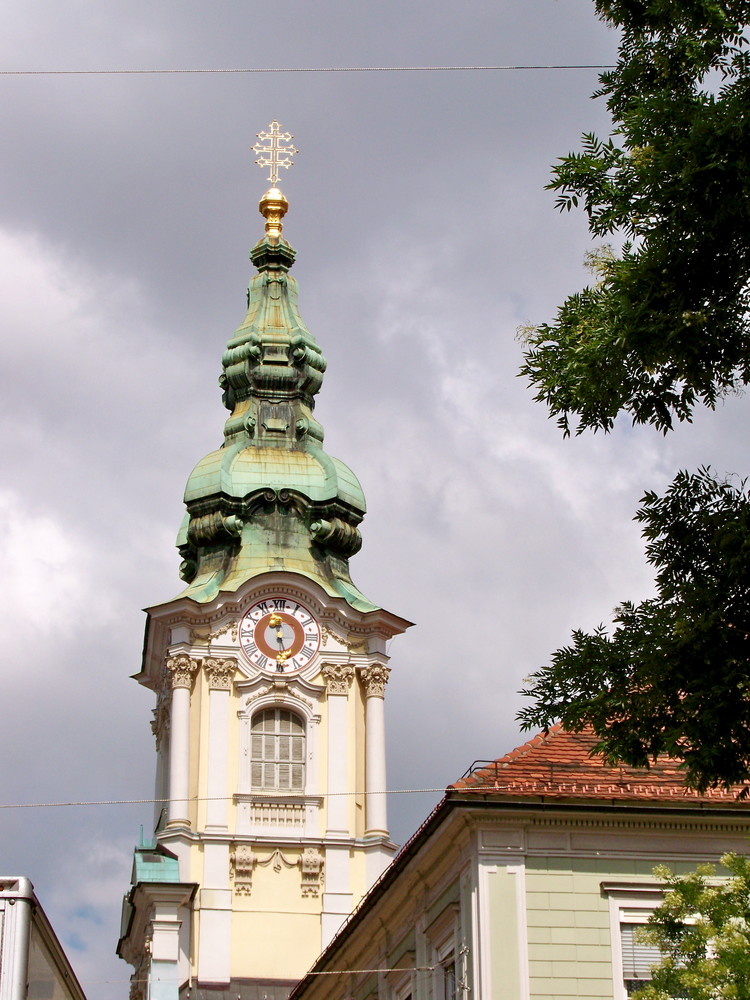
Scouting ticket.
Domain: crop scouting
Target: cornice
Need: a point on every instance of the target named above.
(187, 611)
(360, 633)
(614, 817)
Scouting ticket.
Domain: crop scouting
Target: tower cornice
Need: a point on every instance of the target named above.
(185, 624)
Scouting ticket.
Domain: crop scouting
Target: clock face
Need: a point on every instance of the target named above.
(279, 635)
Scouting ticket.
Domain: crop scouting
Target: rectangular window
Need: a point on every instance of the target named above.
(450, 991)
(277, 750)
(630, 906)
(443, 936)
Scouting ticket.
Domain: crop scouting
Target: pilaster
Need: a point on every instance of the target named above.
(220, 674)
(338, 679)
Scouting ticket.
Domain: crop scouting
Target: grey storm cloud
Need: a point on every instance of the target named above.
(424, 239)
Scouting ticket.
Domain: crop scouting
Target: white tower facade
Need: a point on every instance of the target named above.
(270, 672)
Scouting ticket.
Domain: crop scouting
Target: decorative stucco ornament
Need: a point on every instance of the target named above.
(338, 677)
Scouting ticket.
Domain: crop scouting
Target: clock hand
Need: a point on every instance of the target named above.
(277, 622)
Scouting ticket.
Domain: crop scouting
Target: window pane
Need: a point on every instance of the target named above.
(449, 981)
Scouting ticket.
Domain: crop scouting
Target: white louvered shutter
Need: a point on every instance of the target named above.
(277, 751)
(638, 958)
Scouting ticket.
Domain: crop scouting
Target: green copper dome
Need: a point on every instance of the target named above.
(270, 498)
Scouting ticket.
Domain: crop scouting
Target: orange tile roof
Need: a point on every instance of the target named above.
(559, 765)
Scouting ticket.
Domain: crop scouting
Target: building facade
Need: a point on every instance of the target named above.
(269, 672)
(528, 882)
(33, 965)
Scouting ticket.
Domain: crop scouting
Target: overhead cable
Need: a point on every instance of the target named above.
(289, 69)
(228, 798)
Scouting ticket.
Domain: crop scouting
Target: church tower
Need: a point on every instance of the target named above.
(269, 672)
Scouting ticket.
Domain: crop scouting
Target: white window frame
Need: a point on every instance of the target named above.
(402, 985)
(287, 815)
(629, 903)
(311, 722)
(443, 937)
(450, 960)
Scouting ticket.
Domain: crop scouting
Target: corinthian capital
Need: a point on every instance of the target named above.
(181, 670)
(375, 678)
(220, 673)
(338, 677)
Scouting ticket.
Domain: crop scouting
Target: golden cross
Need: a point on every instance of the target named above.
(278, 155)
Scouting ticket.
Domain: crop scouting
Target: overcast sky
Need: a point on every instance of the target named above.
(424, 238)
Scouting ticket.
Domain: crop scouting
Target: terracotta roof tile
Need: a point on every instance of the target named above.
(559, 765)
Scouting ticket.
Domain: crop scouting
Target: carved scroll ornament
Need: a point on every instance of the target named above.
(220, 673)
(242, 862)
(338, 677)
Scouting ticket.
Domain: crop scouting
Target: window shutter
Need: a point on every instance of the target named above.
(638, 958)
(277, 751)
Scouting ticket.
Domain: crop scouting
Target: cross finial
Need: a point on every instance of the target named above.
(277, 154)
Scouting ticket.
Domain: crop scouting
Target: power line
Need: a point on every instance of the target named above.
(326, 972)
(229, 798)
(290, 69)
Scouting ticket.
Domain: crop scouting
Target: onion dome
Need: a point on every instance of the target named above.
(270, 498)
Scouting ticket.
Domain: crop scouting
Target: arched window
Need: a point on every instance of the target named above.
(277, 751)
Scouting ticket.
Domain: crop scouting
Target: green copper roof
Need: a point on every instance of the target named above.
(154, 865)
(270, 497)
(238, 470)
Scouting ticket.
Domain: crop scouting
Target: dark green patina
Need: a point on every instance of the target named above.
(271, 498)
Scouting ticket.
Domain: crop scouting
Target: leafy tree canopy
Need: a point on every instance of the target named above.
(703, 931)
(672, 678)
(666, 324)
